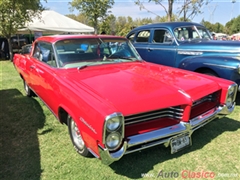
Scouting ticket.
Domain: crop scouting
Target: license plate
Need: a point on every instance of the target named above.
(180, 142)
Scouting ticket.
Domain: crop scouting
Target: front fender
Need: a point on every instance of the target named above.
(224, 67)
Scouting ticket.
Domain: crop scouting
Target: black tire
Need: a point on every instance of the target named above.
(76, 138)
(27, 89)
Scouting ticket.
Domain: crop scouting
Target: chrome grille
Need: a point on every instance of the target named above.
(171, 112)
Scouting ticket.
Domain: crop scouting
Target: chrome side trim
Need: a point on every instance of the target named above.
(191, 53)
(93, 153)
(152, 48)
(205, 50)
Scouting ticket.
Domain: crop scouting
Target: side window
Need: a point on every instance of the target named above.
(143, 36)
(158, 36)
(44, 52)
(162, 36)
(168, 38)
(131, 37)
(36, 53)
(182, 33)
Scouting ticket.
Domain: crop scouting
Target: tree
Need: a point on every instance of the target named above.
(168, 11)
(80, 18)
(208, 25)
(109, 25)
(14, 14)
(95, 10)
(233, 26)
(189, 8)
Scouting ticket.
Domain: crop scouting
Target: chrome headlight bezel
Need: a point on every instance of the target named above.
(113, 125)
(231, 95)
(238, 68)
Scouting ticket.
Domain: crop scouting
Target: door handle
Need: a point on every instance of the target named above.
(149, 49)
(32, 67)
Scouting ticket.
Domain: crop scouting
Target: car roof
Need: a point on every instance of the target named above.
(171, 25)
(55, 38)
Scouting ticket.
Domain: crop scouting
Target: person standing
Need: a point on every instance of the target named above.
(4, 50)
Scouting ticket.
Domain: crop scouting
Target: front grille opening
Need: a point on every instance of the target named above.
(153, 120)
(205, 104)
(148, 126)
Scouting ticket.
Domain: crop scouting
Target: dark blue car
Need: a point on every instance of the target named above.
(189, 46)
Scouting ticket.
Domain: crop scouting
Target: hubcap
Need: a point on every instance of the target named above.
(77, 138)
(26, 87)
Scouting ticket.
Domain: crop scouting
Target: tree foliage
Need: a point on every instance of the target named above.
(168, 10)
(14, 14)
(231, 27)
(109, 25)
(96, 10)
(80, 18)
(188, 8)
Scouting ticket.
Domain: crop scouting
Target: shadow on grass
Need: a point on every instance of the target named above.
(135, 164)
(20, 119)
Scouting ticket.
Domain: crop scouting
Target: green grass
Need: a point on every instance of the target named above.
(34, 145)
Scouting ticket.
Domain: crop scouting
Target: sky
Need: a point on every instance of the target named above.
(220, 11)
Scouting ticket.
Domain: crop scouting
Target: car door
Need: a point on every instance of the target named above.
(162, 48)
(33, 78)
(141, 40)
(44, 73)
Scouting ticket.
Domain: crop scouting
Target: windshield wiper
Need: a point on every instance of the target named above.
(85, 65)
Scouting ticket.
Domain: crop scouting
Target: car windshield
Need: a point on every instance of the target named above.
(79, 53)
(190, 33)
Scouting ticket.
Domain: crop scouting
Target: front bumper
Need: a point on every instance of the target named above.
(162, 136)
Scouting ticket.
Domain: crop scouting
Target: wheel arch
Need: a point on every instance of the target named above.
(206, 70)
(205, 65)
(62, 115)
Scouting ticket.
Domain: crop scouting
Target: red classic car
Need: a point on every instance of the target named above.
(115, 103)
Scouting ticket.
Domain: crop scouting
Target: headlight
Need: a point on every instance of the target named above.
(231, 95)
(113, 140)
(113, 123)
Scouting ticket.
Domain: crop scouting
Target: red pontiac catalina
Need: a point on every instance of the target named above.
(113, 102)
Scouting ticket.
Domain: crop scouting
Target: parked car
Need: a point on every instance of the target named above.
(189, 46)
(113, 102)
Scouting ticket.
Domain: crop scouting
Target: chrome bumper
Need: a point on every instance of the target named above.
(162, 136)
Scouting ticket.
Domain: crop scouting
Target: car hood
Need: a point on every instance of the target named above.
(141, 86)
(212, 45)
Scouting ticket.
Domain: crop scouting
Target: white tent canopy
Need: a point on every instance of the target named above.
(51, 22)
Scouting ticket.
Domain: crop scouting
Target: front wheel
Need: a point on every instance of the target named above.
(27, 89)
(77, 139)
(209, 72)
